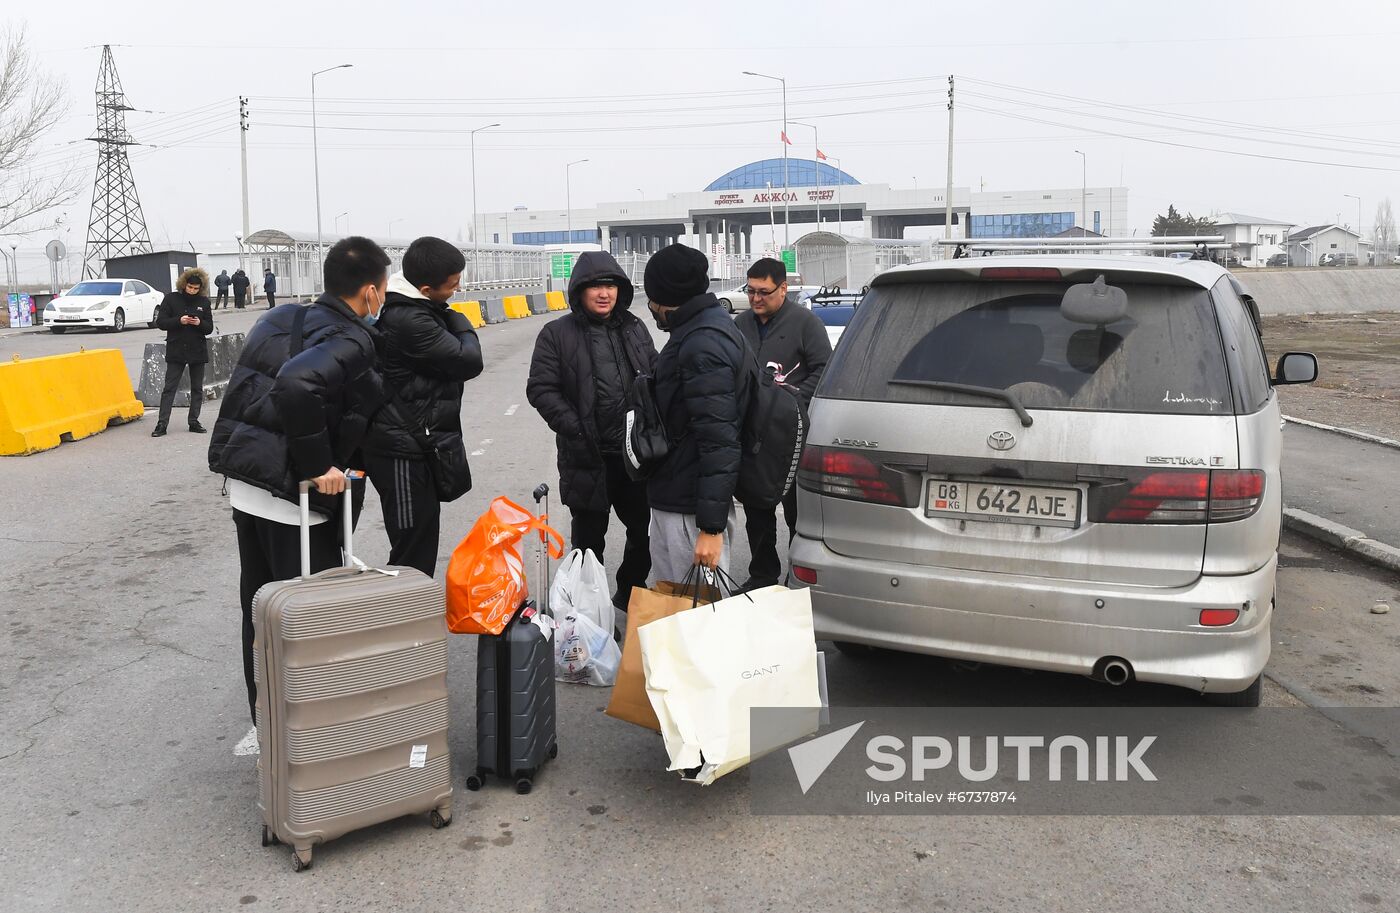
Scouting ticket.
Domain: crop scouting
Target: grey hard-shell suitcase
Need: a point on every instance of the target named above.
(351, 666)
(515, 723)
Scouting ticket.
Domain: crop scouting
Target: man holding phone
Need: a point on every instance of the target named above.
(187, 320)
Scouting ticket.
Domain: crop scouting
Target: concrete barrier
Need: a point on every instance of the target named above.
(45, 401)
(516, 306)
(557, 301)
(537, 304)
(1323, 290)
(495, 309)
(472, 311)
(224, 350)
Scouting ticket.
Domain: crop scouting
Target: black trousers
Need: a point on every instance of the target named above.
(269, 551)
(222, 299)
(240, 299)
(412, 512)
(761, 524)
(589, 528)
(271, 300)
(173, 371)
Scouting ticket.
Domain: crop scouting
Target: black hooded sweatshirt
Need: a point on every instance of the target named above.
(579, 374)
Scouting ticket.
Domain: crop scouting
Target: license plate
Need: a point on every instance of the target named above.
(1002, 502)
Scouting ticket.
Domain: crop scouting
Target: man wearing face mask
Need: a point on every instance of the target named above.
(583, 366)
(701, 388)
(297, 409)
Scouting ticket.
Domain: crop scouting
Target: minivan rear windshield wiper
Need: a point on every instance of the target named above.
(1004, 395)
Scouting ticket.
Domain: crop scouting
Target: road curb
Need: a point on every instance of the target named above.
(1345, 432)
(1345, 538)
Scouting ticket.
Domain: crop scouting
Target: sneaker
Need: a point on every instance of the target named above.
(748, 586)
(197, 428)
(158, 430)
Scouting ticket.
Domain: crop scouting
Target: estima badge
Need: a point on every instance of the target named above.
(1001, 440)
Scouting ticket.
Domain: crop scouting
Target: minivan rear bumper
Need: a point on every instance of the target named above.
(1035, 623)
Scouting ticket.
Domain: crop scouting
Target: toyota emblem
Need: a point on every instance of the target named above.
(1001, 440)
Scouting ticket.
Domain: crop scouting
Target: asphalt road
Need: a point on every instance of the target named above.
(1343, 479)
(123, 701)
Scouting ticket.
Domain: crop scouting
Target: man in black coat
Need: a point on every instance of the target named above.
(794, 339)
(221, 282)
(427, 352)
(297, 409)
(186, 318)
(241, 282)
(702, 388)
(270, 288)
(583, 366)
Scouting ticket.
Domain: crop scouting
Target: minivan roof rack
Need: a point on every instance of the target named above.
(1197, 244)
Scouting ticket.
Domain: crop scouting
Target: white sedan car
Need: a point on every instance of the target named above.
(736, 299)
(108, 303)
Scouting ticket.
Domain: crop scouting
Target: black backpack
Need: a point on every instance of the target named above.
(644, 442)
(774, 432)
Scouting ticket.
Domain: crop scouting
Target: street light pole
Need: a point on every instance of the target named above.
(1083, 192)
(569, 201)
(817, 145)
(336, 221)
(319, 279)
(476, 232)
(1358, 225)
(786, 236)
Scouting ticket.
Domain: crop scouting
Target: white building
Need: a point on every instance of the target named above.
(1255, 239)
(757, 209)
(1307, 245)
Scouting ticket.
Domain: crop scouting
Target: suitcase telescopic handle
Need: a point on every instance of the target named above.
(347, 524)
(541, 494)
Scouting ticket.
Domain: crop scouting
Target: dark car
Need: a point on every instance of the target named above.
(1278, 260)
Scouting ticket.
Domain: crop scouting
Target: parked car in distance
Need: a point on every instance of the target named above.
(112, 304)
(1277, 260)
(1067, 463)
(1337, 259)
(835, 308)
(736, 298)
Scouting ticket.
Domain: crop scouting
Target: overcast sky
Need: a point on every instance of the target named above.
(1157, 95)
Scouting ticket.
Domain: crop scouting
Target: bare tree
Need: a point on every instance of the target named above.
(1384, 231)
(31, 104)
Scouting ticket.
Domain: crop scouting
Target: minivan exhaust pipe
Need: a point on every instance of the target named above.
(1116, 671)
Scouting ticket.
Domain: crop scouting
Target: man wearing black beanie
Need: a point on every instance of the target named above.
(700, 376)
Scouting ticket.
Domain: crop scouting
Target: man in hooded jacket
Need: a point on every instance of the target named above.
(187, 320)
(583, 367)
(240, 282)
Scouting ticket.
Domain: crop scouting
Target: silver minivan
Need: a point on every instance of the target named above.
(1068, 463)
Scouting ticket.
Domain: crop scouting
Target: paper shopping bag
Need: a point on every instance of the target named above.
(706, 669)
(629, 695)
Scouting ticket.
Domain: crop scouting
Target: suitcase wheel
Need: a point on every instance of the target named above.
(554, 751)
(524, 785)
(477, 780)
(301, 860)
(438, 821)
(268, 837)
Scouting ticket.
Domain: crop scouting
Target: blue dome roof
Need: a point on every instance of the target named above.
(801, 173)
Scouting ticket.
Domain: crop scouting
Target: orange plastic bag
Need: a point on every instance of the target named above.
(486, 578)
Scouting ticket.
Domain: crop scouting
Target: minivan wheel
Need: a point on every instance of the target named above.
(1249, 697)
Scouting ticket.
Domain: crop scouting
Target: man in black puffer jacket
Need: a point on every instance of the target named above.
(583, 366)
(427, 352)
(297, 408)
(702, 388)
(186, 318)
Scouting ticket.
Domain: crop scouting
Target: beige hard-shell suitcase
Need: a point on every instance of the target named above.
(351, 666)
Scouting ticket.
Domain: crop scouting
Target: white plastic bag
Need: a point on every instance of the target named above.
(581, 588)
(585, 654)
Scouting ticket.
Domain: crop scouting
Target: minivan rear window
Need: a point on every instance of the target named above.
(1164, 356)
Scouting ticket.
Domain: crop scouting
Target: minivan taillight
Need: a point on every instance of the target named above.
(1190, 496)
(846, 474)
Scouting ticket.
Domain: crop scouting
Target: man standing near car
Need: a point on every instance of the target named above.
(186, 318)
(794, 339)
(702, 379)
(583, 366)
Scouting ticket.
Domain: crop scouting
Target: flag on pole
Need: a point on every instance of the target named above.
(785, 138)
(821, 156)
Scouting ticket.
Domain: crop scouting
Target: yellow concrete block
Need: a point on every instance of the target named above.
(472, 311)
(516, 306)
(44, 401)
(557, 301)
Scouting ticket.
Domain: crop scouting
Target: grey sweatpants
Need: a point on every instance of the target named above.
(673, 545)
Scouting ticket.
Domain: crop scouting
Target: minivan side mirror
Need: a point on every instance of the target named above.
(1296, 368)
(1096, 303)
